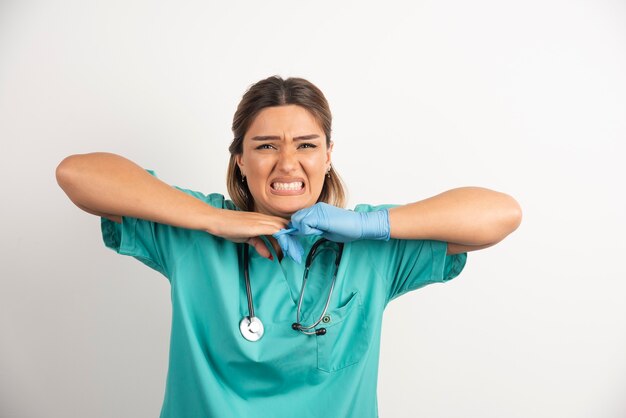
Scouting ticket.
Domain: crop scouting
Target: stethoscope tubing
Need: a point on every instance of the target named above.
(309, 259)
(254, 335)
(248, 288)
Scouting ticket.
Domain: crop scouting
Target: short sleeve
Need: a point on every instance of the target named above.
(154, 244)
(407, 265)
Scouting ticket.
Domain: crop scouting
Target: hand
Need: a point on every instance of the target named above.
(290, 244)
(341, 225)
(239, 226)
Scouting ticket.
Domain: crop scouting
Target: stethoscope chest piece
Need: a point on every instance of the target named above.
(251, 328)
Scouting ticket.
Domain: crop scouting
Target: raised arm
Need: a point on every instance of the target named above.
(112, 186)
(468, 218)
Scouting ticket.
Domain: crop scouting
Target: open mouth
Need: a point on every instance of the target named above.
(293, 186)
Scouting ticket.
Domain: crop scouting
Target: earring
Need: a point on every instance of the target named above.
(243, 178)
(328, 172)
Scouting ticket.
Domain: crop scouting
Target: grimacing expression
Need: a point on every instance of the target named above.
(284, 160)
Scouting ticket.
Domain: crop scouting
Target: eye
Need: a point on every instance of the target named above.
(308, 145)
(265, 146)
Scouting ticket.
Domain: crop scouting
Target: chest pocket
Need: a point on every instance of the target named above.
(346, 338)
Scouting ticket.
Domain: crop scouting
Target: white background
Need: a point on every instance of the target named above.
(528, 98)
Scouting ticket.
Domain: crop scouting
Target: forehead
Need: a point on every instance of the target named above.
(290, 120)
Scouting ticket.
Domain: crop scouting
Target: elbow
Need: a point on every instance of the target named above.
(73, 164)
(66, 170)
(71, 168)
(511, 216)
(516, 214)
(63, 170)
(505, 218)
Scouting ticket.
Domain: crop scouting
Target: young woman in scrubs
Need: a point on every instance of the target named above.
(286, 196)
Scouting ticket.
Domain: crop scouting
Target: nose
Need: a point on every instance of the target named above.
(287, 160)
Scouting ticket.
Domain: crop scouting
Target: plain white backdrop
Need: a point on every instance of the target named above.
(528, 98)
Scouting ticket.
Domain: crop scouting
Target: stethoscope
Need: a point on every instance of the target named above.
(251, 326)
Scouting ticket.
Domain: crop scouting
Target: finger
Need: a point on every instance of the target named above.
(268, 229)
(308, 230)
(311, 220)
(295, 250)
(284, 242)
(297, 217)
(283, 232)
(278, 225)
(291, 247)
(260, 247)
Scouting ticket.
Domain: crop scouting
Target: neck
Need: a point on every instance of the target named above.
(258, 209)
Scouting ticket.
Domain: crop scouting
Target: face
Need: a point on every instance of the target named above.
(284, 160)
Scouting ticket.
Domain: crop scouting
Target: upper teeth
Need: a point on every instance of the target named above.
(288, 186)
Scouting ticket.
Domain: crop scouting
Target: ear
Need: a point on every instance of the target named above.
(328, 154)
(239, 161)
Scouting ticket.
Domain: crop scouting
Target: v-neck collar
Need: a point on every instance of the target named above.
(285, 266)
(292, 274)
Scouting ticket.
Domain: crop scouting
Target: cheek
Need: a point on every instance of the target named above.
(316, 170)
(317, 162)
(258, 166)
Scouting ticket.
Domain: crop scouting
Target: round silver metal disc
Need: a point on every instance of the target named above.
(251, 328)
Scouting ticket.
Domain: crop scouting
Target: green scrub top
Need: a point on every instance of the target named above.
(214, 372)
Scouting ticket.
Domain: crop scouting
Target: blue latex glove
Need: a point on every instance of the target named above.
(290, 244)
(341, 225)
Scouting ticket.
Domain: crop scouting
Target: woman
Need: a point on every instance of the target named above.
(246, 341)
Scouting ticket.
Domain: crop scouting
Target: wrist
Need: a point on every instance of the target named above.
(376, 225)
(210, 220)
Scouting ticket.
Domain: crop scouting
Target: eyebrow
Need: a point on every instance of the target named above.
(275, 137)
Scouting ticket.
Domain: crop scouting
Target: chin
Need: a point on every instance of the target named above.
(290, 209)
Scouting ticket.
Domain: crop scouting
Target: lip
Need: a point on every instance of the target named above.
(287, 192)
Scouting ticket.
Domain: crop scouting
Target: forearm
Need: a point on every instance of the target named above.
(111, 184)
(467, 215)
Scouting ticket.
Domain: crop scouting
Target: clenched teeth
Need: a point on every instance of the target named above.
(288, 186)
